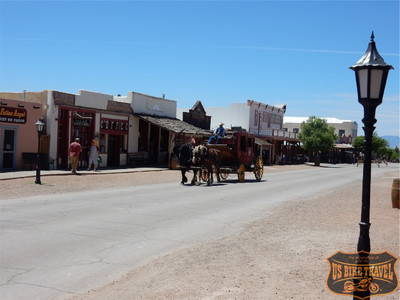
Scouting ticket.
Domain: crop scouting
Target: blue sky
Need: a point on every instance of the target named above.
(296, 53)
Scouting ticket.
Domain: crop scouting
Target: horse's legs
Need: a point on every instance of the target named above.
(184, 178)
(217, 172)
(210, 175)
(194, 180)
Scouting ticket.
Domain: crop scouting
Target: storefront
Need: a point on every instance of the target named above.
(159, 135)
(18, 133)
(113, 139)
(123, 137)
(73, 123)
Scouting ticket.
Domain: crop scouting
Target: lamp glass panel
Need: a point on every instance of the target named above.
(363, 82)
(39, 126)
(376, 81)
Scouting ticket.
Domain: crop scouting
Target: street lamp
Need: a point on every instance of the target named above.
(39, 128)
(371, 73)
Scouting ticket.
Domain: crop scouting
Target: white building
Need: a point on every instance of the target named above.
(263, 120)
(346, 130)
(255, 117)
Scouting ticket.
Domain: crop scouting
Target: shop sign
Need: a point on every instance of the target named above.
(114, 125)
(81, 122)
(13, 115)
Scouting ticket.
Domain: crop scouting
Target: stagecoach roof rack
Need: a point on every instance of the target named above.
(238, 129)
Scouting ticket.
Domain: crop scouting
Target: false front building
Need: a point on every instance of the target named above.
(263, 120)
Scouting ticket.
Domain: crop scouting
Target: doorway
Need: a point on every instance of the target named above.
(8, 148)
(114, 144)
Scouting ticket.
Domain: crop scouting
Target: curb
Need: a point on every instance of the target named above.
(46, 173)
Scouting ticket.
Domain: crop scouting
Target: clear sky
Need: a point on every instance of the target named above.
(296, 53)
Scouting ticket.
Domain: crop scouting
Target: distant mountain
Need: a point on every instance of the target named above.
(393, 140)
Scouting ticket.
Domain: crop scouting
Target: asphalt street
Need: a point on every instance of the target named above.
(56, 246)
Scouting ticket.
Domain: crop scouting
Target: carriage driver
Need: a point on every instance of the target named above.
(218, 133)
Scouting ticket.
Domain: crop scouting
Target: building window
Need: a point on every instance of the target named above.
(265, 117)
(341, 132)
(276, 119)
(295, 130)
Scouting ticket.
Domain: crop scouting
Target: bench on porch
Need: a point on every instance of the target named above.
(136, 158)
(31, 159)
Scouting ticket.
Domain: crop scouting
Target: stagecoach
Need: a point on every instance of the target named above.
(239, 153)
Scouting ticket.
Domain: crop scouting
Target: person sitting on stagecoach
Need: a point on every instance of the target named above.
(218, 134)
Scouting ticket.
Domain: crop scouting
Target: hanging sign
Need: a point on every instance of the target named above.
(13, 115)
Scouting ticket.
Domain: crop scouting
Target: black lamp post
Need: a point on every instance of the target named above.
(39, 128)
(371, 73)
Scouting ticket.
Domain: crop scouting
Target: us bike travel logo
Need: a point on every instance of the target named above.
(362, 275)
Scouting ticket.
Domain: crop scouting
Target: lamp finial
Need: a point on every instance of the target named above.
(372, 36)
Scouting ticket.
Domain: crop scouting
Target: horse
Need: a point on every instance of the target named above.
(207, 159)
(184, 154)
(380, 161)
(374, 161)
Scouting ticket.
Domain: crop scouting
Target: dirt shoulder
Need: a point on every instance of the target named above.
(282, 256)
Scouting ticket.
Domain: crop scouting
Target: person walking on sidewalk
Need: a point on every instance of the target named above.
(74, 150)
(93, 155)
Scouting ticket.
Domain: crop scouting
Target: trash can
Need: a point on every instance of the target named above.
(395, 193)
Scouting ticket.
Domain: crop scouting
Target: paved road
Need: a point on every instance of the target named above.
(55, 246)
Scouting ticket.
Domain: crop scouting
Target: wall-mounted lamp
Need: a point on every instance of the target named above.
(3, 103)
(20, 105)
(36, 107)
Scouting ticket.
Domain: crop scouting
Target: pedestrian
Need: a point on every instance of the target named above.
(93, 155)
(74, 150)
(218, 134)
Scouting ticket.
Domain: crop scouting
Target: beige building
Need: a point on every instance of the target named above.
(346, 130)
(18, 135)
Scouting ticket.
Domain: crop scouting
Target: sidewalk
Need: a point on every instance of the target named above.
(32, 173)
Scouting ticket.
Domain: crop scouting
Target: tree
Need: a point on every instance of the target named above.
(317, 136)
(358, 144)
(379, 145)
(392, 154)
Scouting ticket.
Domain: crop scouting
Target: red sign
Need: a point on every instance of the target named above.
(13, 115)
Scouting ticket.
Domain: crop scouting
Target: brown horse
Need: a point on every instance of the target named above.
(208, 159)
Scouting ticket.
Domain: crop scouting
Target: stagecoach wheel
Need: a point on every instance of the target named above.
(259, 168)
(241, 172)
(204, 174)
